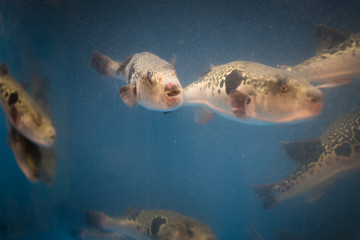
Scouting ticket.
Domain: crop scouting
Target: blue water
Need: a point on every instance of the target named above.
(111, 156)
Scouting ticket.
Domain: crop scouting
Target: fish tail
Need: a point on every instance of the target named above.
(76, 232)
(95, 219)
(103, 64)
(266, 194)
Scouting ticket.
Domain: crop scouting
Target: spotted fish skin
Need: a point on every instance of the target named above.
(152, 224)
(339, 155)
(22, 111)
(337, 61)
(151, 81)
(254, 93)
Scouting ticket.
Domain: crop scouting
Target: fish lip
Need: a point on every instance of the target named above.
(172, 93)
(174, 97)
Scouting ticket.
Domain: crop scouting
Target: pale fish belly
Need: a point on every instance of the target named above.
(315, 181)
(200, 94)
(329, 67)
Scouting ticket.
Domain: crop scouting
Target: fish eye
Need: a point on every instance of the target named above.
(283, 88)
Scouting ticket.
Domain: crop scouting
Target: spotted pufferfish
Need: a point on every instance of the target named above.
(252, 93)
(24, 114)
(157, 224)
(337, 61)
(335, 154)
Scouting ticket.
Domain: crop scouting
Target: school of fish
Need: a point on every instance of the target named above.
(241, 91)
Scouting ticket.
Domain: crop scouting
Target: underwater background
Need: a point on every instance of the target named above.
(110, 156)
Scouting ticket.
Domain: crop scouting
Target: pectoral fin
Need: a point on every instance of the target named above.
(203, 115)
(128, 95)
(238, 102)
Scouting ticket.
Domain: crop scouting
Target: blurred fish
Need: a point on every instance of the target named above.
(253, 93)
(152, 82)
(22, 112)
(27, 154)
(85, 233)
(152, 224)
(324, 160)
(337, 61)
(34, 161)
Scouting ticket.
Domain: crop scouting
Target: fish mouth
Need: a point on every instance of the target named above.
(172, 93)
(172, 90)
(315, 100)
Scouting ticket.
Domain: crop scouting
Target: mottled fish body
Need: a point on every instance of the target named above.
(22, 112)
(151, 81)
(152, 224)
(337, 61)
(253, 93)
(323, 161)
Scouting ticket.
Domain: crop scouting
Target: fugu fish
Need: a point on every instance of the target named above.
(336, 153)
(27, 154)
(22, 112)
(253, 93)
(97, 234)
(337, 61)
(36, 162)
(152, 82)
(152, 224)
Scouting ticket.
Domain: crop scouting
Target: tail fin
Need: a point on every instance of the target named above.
(266, 194)
(103, 64)
(76, 232)
(95, 219)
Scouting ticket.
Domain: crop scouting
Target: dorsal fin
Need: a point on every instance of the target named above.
(4, 69)
(303, 152)
(327, 38)
(173, 60)
(131, 213)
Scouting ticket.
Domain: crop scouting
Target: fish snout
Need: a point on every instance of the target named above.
(51, 134)
(172, 90)
(314, 96)
(315, 100)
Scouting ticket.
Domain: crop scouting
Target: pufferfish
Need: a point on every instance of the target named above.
(252, 93)
(151, 81)
(151, 224)
(335, 154)
(22, 112)
(337, 61)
